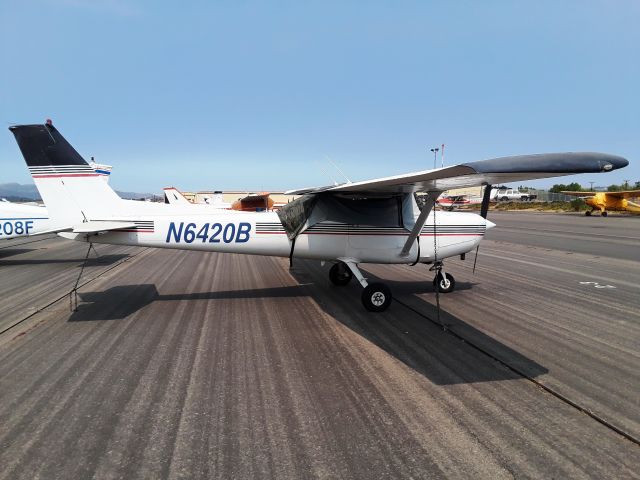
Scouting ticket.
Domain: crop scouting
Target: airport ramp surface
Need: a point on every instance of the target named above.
(202, 365)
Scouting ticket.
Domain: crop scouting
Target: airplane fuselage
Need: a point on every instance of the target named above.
(18, 220)
(263, 234)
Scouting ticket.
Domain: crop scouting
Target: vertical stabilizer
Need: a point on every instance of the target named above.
(174, 196)
(70, 188)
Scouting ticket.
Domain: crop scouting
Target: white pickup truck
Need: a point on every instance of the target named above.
(507, 194)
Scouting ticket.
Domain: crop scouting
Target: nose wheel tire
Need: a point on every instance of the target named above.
(604, 214)
(444, 283)
(588, 213)
(340, 275)
(376, 297)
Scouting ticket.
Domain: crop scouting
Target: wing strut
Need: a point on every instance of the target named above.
(422, 218)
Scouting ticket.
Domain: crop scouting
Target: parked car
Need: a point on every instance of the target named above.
(508, 194)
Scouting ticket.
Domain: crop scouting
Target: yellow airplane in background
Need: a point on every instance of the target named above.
(603, 201)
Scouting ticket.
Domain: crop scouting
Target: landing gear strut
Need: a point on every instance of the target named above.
(376, 297)
(443, 281)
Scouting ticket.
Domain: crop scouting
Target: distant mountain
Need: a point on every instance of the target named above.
(136, 196)
(17, 192)
(14, 192)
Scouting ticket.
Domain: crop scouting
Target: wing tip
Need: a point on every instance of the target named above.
(565, 163)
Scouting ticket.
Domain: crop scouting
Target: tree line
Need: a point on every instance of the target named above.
(576, 187)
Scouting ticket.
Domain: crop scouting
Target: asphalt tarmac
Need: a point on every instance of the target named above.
(191, 365)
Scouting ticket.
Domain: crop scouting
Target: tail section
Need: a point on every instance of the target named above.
(174, 196)
(633, 207)
(103, 170)
(70, 188)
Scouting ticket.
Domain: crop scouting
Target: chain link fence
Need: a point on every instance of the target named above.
(544, 196)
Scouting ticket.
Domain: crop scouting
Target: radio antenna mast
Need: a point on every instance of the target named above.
(319, 165)
(338, 168)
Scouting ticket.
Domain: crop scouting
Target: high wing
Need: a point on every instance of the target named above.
(625, 194)
(494, 171)
(579, 194)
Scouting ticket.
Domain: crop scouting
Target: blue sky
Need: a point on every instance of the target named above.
(256, 95)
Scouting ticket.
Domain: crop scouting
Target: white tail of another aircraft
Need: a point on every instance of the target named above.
(174, 196)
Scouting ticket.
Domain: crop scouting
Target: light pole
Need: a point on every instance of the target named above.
(435, 153)
(591, 186)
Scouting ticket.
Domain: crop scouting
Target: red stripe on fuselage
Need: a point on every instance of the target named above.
(380, 234)
(59, 175)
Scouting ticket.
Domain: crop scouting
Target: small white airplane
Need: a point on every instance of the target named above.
(252, 202)
(175, 197)
(374, 221)
(25, 220)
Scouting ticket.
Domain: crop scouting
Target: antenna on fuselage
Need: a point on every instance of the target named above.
(319, 165)
(337, 168)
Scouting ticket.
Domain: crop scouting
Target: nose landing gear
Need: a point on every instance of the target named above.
(443, 281)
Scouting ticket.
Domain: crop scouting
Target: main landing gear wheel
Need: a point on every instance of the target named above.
(445, 284)
(588, 213)
(376, 297)
(604, 214)
(340, 274)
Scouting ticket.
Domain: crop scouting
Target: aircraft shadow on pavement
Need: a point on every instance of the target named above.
(119, 302)
(408, 334)
(91, 262)
(9, 252)
(420, 342)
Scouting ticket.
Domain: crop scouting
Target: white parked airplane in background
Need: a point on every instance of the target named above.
(24, 220)
(374, 221)
(251, 202)
(175, 197)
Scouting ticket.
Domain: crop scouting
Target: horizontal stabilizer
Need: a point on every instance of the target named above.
(96, 226)
(55, 230)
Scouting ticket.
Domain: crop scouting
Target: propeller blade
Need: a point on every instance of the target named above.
(484, 210)
(486, 197)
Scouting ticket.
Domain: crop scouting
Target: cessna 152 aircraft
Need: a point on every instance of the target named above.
(374, 221)
(22, 220)
(614, 201)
